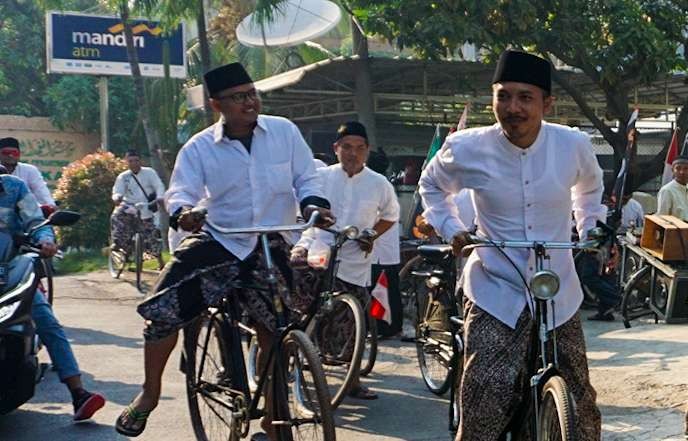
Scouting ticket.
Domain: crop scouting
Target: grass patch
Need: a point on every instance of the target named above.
(93, 260)
(80, 262)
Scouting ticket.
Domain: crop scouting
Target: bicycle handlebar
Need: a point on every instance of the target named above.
(262, 230)
(479, 242)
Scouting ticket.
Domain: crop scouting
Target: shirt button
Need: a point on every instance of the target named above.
(523, 153)
(530, 227)
(531, 268)
(528, 205)
(527, 182)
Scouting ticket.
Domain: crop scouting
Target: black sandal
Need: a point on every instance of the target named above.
(134, 417)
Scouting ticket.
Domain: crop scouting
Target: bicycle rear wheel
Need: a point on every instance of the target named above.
(339, 368)
(635, 302)
(307, 400)
(138, 258)
(208, 380)
(432, 345)
(370, 347)
(557, 415)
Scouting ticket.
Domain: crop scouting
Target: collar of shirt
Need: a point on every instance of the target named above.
(219, 128)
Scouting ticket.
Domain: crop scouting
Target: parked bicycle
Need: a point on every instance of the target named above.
(118, 259)
(549, 403)
(221, 402)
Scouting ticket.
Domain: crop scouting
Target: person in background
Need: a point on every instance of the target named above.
(672, 199)
(359, 197)
(10, 154)
(137, 185)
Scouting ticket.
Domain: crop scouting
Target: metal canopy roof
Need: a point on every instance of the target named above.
(428, 92)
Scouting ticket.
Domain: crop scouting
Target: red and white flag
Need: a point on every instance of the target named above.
(672, 153)
(379, 305)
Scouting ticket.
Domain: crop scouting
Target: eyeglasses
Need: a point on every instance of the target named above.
(241, 97)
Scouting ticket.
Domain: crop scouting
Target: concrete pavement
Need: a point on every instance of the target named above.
(641, 376)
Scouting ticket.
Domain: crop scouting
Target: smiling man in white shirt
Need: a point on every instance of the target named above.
(526, 176)
(247, 170)
(672, 198)
(359, 197)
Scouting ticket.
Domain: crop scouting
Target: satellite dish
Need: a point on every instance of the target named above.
(294, 23)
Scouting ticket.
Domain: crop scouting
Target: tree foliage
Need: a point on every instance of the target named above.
(617, 44)
(86, 186)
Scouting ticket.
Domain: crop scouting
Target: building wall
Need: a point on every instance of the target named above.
(45, 146)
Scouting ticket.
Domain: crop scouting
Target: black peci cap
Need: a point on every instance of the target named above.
(523, 67)
(9, 142)
(352, 128)
(224, 77)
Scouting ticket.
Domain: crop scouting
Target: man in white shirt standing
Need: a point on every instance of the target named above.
(359, 197)
(246, 169)
(9, 158)
(137, 185)
(672, 199)
(526, 176)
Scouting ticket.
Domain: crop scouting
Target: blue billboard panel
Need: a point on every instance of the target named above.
(95, 44)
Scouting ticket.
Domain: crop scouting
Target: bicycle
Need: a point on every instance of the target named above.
(220, 399)
(435, 306)
(550, 402)
(322, 316)
(118, 258)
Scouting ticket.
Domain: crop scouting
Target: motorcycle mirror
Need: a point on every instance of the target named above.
(63, 218)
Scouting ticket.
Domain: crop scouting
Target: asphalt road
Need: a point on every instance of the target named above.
(100, 319)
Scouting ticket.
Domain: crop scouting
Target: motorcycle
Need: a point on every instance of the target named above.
(20, 264)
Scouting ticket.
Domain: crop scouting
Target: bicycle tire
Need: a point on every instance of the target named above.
(117, 260)
(138, 258)
(436, 374)
(634, 301)
(557, 412)
(454, 398)
(339, 384)
(370, 347)
(408, 286)
(307, 399)
(47, 279)
(210, 420)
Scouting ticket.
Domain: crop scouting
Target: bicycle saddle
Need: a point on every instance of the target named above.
(435, 253)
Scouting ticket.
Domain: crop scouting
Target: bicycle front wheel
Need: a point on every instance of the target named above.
(338, 366)
(432, 344)
(307, 400)
(138, 258)
(208, 380)
(557, 415)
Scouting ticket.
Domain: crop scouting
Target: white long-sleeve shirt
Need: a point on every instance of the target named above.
(126, 188)
(360, 200)
(672, 199)
(519, 194)
(243, 189)
(34, 180)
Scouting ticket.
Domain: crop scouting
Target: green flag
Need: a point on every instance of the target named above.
(435, 146)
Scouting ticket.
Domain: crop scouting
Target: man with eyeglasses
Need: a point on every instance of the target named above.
(247, 169)
(9, 158)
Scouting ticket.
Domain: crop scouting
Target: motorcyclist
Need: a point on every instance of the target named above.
(19, 211)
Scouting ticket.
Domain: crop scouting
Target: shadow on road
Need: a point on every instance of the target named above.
(83, 336)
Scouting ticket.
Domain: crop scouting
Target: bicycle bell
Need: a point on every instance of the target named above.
(351, 232)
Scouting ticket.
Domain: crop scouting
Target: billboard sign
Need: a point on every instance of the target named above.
(94, 44)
